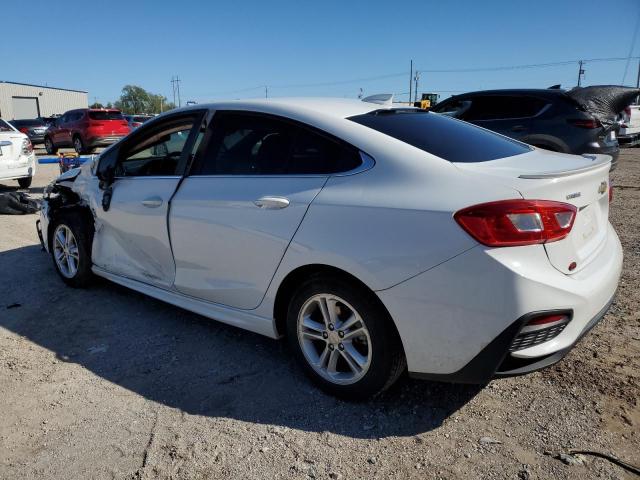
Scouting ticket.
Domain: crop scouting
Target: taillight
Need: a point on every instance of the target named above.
(27, 147)
(509, 223)
(627, 111)
(585, 122)
(610, 192)
(24, 130)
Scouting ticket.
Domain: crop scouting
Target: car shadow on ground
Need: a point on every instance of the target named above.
(202, 367)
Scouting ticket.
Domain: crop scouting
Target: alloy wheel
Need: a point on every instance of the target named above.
(65, 251)
(334, 339)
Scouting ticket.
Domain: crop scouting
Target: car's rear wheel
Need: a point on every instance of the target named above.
(70, 248)
(25, 182)
(343, 338)
(78, 145)
(49, 146)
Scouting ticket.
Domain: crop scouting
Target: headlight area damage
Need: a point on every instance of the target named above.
(64, 194)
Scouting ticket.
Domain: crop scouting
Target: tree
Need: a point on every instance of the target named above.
(135, 99)
(96, 105)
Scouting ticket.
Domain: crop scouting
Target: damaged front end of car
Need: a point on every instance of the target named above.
(64, 194)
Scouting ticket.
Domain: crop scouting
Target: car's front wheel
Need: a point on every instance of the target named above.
(70, 248)
(78, 145)
(25, 182)
(49, 146)
(343, 338)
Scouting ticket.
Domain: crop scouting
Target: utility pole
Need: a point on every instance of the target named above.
(580, 72)
(410, 81)
(175, 84)
(266, 92)
(638, 77)
(416, 78)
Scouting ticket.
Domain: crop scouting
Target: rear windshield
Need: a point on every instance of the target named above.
(140, 119)
(105, 115)
(445, 137)
(36, 122)
(5, 127)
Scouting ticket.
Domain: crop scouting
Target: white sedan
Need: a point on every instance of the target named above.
(376, 239)
(17, 160)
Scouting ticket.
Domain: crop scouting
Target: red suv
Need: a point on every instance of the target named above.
(85, 129)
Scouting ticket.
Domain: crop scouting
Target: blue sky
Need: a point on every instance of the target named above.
(232, 49)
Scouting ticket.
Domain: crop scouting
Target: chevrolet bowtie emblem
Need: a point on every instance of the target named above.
(603, 187)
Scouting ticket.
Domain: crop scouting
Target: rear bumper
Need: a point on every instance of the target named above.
(456, 321)
(25, 167)
(630, 140)
(103, 141)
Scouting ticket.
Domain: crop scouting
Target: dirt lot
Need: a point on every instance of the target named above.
(106, 383)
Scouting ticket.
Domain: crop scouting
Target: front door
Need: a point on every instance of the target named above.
(234, 216)
(131, 237)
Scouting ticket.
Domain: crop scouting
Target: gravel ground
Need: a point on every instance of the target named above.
(107, 383)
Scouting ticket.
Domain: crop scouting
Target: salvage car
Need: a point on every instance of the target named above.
(553, 119)
(376, 239)
(17, 159)
(86, 129)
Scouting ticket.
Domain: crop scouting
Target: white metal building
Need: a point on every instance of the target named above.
(20, 100)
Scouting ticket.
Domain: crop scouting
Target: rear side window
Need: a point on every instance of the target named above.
(5, 127)
(105, 115)
(441, 135)
(498, 107)
(246, 144)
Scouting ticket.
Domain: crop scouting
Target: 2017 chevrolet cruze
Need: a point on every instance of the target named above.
(377, 239)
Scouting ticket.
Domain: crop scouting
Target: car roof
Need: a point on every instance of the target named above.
(544, 92)
(336, 107)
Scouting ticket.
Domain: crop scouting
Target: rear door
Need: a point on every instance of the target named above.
(131, 237)
(234, 216)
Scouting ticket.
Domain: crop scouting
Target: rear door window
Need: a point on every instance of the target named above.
(441, 135)
(254, 144)
(501, 107)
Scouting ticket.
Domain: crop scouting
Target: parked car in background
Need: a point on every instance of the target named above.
(34, 129)
(375, 238)
(629, 134)
(135, 121)
(17, 160)
(544, 118)
(85, 129)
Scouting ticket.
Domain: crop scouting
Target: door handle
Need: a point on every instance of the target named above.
(518, 128)
(152, 202)
(272, 203)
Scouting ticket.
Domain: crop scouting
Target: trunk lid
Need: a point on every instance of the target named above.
(582, 181)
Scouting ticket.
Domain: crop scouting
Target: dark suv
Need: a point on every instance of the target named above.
(85, 129)
(548, 119)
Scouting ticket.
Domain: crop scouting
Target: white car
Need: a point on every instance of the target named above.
(17, 160)
(377, 239)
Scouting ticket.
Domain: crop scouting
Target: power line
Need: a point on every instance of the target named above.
(521, 67)
(422, 70)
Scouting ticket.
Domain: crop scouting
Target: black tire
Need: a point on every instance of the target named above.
(78, 145)
(82, 231)
(49, 146)
(387, 356)
(25, 182)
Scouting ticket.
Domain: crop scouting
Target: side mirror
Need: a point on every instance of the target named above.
(106, 170)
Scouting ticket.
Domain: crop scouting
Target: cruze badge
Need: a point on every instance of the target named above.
(603, 187)
(573, 195)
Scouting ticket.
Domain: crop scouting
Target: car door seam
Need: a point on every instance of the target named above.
(289, 244)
